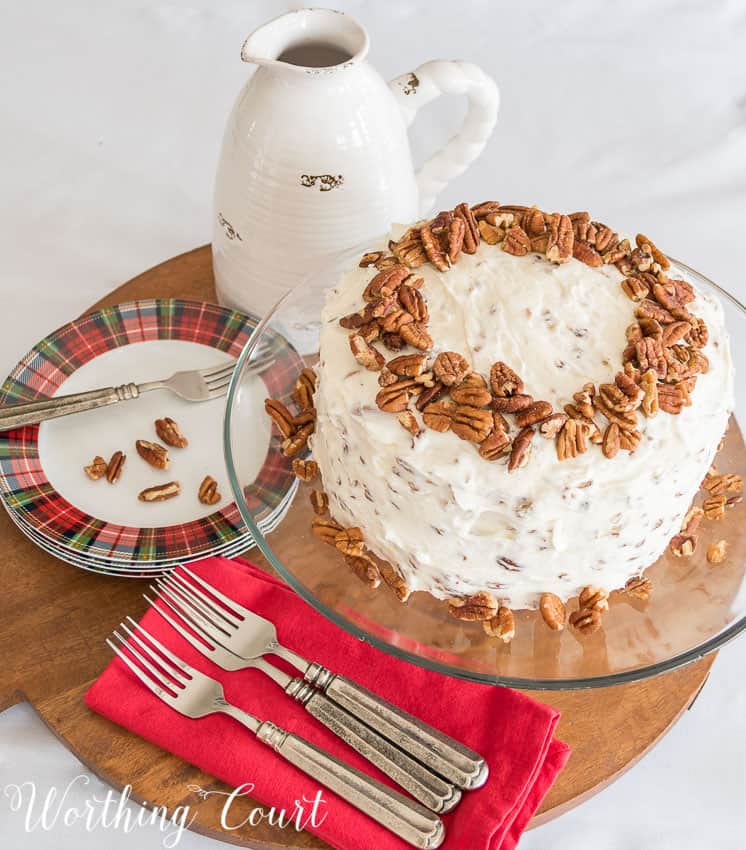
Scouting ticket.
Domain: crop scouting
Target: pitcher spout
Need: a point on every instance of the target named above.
(308, 40)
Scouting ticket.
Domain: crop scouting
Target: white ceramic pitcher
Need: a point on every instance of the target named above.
(316, 158)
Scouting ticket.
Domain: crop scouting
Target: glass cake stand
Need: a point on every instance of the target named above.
(694, 609)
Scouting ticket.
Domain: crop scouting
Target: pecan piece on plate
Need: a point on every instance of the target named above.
(305, 470)
(729, 482)
(319, 502)
(349, 541)
(714, 506)
(479, 606)
(516, 242)
(395, 397)
(168, 430)
(416, 334)
(305, 387)
(394, 581)
(471, 423)
(586, 620)
(716, 552)
(208, 491)
(96, 469)
(472, 391)
(561, 238)
(438, 415)
(365, 354)
(534, 413)
(153, 453)
(683, 545)
(520, 451)
(504, 381)
(594, 597)
(114, 467)
(295, 444)
(326, 529)
(553, 611)
(364, 569)
(639, 588)
(501, 626)
(160, 492)
(280, 415)
(451, 368)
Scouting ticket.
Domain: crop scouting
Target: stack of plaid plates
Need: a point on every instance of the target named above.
(104, 527)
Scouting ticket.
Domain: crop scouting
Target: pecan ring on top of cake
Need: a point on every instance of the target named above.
(513, 408)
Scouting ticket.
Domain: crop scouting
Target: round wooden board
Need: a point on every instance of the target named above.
(56, 617)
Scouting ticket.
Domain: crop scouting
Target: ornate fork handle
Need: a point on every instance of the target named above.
(28, 413)
(407, 819)
(441, 753)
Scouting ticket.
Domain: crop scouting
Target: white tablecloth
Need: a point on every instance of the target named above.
(110, 119)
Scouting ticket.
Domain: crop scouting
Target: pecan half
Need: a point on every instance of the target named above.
(648, 309)
(429, 396)
(386, 282)
(417, 336)
(516, 242)
(472, 391)
(370, 259)
(208, 491)
(513, 403)
(168, 431)
(553, 611)
(451, 368)
(160, 492)
(395, 398)
(552, 425)
(319, 502)
(281, 416)
(649, 385)
(629, 439)
(629, 387)
(305, 387)
(670, 398)
(501, 626)
(658, 255)
(365, 354)
(675, 332)
(586, 620)
(393, 342)
(520, 452)
(683, 545)
(610, 445)
(153, 453)
(365, 569)
(496, 444)
(714, 506)
(409, 249)
(571, 440)
(394, 581)
(471, 228)
(479, 606)
(594, 597)
(395, 321)
(728, 482)
(716, 552)
(504, 381)
(635, 287)
(114, 467)
(456, 233)
(439, 414)
(291, 446)
(639, 588)
(409, 422)
(305, 470)
(490, 232)
(613, 398)
(561, 238)
(534, 413)
(433, 249)
(96, 469)
(692, 520)
(587, 254)
(407, 365)
(649, 352)
(413, 301)
(533, 222)
(471, 423)
(326, 529)
(485, 208)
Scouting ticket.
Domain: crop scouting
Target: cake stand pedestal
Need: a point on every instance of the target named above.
(55, 620)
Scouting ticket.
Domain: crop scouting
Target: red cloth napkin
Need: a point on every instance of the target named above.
(515, 734)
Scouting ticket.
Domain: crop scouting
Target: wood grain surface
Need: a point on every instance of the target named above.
(56, 617)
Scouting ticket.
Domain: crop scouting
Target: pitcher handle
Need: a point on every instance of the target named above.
(418, 88)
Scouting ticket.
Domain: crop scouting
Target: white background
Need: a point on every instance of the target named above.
(111, 115)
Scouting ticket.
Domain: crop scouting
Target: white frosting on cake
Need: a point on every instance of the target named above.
(453, 523)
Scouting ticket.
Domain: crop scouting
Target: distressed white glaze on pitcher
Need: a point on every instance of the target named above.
(316, 157)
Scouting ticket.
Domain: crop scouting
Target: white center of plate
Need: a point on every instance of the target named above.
(68, 444)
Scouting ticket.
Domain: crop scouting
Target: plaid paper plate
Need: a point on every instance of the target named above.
(35, 502)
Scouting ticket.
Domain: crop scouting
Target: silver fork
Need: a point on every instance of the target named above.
(431, 790)
(196, 695)
(193, 385)
(250, 636)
